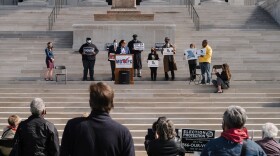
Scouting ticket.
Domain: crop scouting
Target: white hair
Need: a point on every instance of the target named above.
(269, 130)
(235, 117)
(37, 106)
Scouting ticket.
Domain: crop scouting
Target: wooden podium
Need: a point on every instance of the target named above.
(124, 62)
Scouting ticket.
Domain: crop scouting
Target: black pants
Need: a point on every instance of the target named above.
(220, 82)
(88, 66)
(171, 68)
(153, 73)
(192, 69)
(113, 64)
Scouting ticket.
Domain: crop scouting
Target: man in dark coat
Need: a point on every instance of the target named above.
(98, 134)
(136, 56)
(169, 60)
(89, 52)
(36, 136)
(112, 50)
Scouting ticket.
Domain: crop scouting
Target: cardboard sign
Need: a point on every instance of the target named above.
(124, 61)
(158, 46)
(88, 50)
(112, 56)
(168, 51)
(153, 63)
(200, 52)
(194, 140)
(190, 54)
(139, 46)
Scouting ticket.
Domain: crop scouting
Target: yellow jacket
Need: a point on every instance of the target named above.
(208, 56)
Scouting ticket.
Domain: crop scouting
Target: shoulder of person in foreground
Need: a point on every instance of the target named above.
(211, 146)
(254, 148)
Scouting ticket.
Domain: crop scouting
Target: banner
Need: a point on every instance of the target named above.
(190, 54)
(124, 61)
(200, 52)
(168, 51)
(112, 56)
(88, 50)
(194, 140)
(139, 46)
(153, 63)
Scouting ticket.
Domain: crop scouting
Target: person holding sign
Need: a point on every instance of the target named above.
(234, 139)
(204, 62)
(192, 61)
(111, 57)
(153, 56)
(136, 47)
(168, 50)
(88, 52)
(122, 48)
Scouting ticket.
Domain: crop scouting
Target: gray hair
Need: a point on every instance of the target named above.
(37, 106)
(269, 130)
(234, 117)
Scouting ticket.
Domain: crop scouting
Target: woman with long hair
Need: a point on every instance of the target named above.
(223, 78)
(122, 48)
(49, 62)
(153, 56)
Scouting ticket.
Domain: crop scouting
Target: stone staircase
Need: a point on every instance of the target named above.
(245, 37)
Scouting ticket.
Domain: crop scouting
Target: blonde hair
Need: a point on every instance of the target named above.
(14, 120)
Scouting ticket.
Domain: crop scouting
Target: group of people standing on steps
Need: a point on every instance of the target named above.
(89, 52)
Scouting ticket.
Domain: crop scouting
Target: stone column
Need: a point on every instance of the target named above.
(119, 4)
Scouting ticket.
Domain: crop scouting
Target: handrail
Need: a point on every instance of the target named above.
(194, 14)
(55, 11)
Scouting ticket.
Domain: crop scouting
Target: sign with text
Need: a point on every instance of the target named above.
(158, 46)
(194, 140)
(153, 63)
(200, 52)
(168, 51)
(190, 54)
(112, 56)
(139, 46)
(124, 61)
(88, 50)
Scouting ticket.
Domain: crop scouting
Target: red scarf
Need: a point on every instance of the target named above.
(13, 128)
(235, 135)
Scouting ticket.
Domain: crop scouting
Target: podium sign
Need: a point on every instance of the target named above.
(153, 63)
(190, 54)
(194, 140)
(200, 52)
(112, 56)
(168, 51)
(124, 61)
(139, 46)
(88, 50)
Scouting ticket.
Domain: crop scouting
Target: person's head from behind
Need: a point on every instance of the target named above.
(38, 107)
(225, 68)
(269, 130)
(154, 127)
(122, 43)
(204, 43)
(234, 118)
(88, 40)
(192, 46)
(101, 97)
(50, 45)
(153, 50)
(14, 121)
(165, 130)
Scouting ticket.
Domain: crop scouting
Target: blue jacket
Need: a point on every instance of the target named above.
(49, 54)
(118, 51)
(223, 147)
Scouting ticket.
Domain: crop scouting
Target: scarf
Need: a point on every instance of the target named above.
(235, 135)
(12, 128)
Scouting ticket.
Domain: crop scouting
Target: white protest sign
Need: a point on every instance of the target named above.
(112, 56)
(139, 46)
(190, 54)
(153, 63)
(88, 50)
(200, 52)
(124, 61)
(168, 51)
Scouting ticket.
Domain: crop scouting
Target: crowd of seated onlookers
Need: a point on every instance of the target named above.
(98, 134)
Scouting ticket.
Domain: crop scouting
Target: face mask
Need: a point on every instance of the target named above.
(88, 41)
(115, 44)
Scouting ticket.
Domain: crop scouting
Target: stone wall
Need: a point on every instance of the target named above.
(273, 7)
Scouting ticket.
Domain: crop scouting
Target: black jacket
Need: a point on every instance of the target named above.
(96, 135)
(88, 57)
(160, 147)
(37, 137)
(151, 58)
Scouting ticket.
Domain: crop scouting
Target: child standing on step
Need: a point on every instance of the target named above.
(153, 56)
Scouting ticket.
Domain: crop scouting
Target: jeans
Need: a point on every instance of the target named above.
(205, 69)
(88, 66)
(113, 64)
(220, 82)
